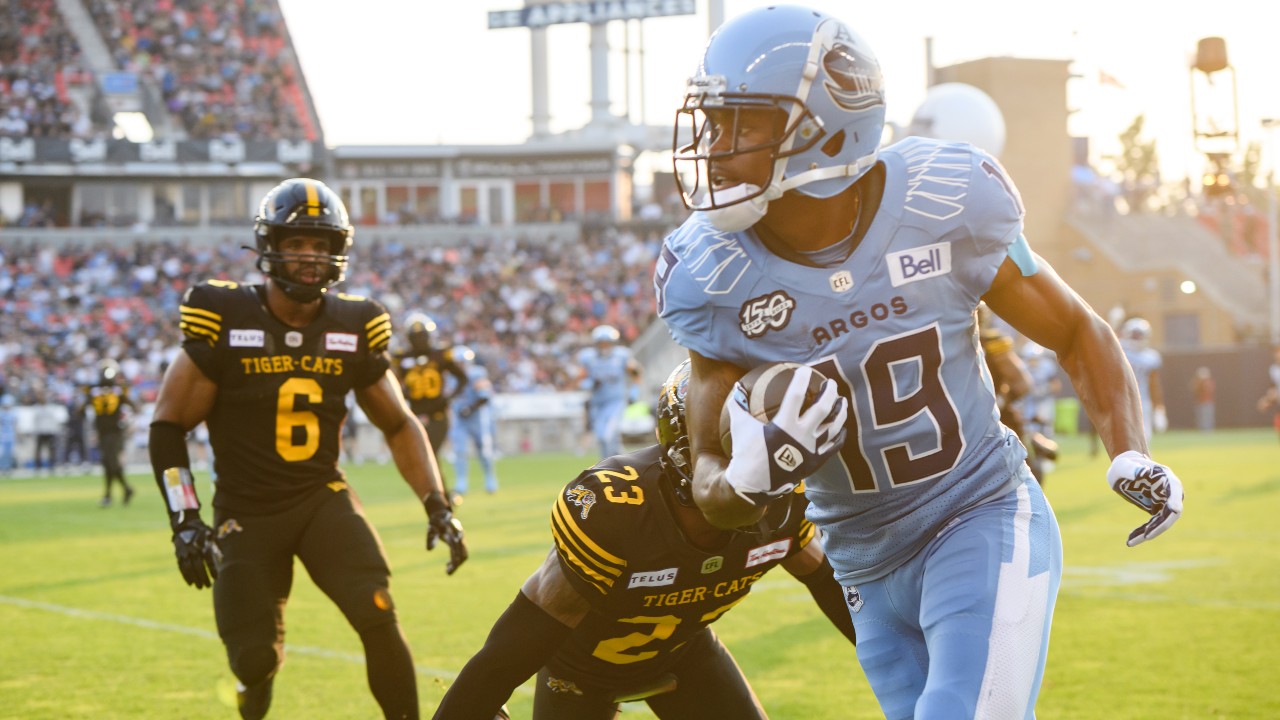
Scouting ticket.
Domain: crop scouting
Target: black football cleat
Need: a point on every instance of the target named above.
(254, 701)
(128, 494)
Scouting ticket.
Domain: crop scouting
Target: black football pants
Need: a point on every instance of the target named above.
(708, 684)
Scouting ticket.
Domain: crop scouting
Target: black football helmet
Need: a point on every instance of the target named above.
(420, 327)
(673, 434)
(302, 206)
(109, 372)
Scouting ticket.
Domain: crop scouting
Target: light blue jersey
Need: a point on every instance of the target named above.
(473, 427)
(894, 325)
(1144, 361)
(607, 381)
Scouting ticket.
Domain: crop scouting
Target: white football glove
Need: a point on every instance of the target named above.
(1159, 419)
(1152, 487)
(771, 458)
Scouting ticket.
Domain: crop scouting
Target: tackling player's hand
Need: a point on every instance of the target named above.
(771, 458)
(1152, 487)
(196, 548)
(442, 525)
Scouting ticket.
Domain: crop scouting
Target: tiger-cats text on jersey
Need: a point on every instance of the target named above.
(650, 589)
(276, 426)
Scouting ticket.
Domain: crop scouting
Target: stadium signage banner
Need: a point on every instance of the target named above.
(121, 152)
(556, 13)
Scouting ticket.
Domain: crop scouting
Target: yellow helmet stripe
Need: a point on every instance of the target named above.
(313, 198)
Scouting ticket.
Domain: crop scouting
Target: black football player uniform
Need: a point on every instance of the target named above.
(276, 427)
(108, 399)
(423, 376)
(652, 593)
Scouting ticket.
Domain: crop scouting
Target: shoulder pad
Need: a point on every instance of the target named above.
(200, 314)
(596, 517)
(373, 317)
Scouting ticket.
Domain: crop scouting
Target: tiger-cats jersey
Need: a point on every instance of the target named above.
(894, 326)
(107, 400)
(423, 377)
(276, 426)
(650, 590)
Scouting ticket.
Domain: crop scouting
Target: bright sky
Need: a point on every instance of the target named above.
(415, 72)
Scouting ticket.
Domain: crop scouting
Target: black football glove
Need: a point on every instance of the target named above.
(442, 525)
(196, 548)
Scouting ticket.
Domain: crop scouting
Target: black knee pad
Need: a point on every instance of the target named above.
(367, 607)
(252, 665)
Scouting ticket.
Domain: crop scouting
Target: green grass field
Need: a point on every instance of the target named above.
(97, 623)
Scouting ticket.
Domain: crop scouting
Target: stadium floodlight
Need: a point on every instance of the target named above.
(133, 126)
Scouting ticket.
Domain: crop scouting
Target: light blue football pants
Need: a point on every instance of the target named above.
(962, 629)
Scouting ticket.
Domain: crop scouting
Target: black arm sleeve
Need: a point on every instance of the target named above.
(520, 643)
(167, 445)
(829, 596)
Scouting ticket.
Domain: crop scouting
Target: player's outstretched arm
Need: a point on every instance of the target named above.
(1046, 310)
(385, 407)
(186, 398)
(527, 634)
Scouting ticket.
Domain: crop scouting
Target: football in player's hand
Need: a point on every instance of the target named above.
(766, 386)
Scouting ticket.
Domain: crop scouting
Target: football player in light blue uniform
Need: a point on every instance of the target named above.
(811, 245)
(473, 423)
(1146, 361)
(607, 374)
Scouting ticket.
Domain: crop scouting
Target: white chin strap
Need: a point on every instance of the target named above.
(733, 214)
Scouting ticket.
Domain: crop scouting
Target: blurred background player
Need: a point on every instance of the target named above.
(109, 399)
(1146, 361)
(1039, 408)
(474, 424)
(8, 434)
(1204, 390)
(1014, 383)
(592, 621)
(1270, 400)
(422, 367)
(269, 367)
(608, 373)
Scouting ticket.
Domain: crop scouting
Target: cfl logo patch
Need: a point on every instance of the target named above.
(767, 312)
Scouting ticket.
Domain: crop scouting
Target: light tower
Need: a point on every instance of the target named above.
(1215, 120)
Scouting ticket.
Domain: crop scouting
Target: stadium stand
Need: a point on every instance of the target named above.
(39, 64)
(225, 68)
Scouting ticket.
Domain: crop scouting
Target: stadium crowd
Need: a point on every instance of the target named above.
(524, 307)
(39, 60)
(224, 68)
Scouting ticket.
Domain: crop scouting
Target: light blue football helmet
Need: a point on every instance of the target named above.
(805, 63)
(605, 334)
(462, 354)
